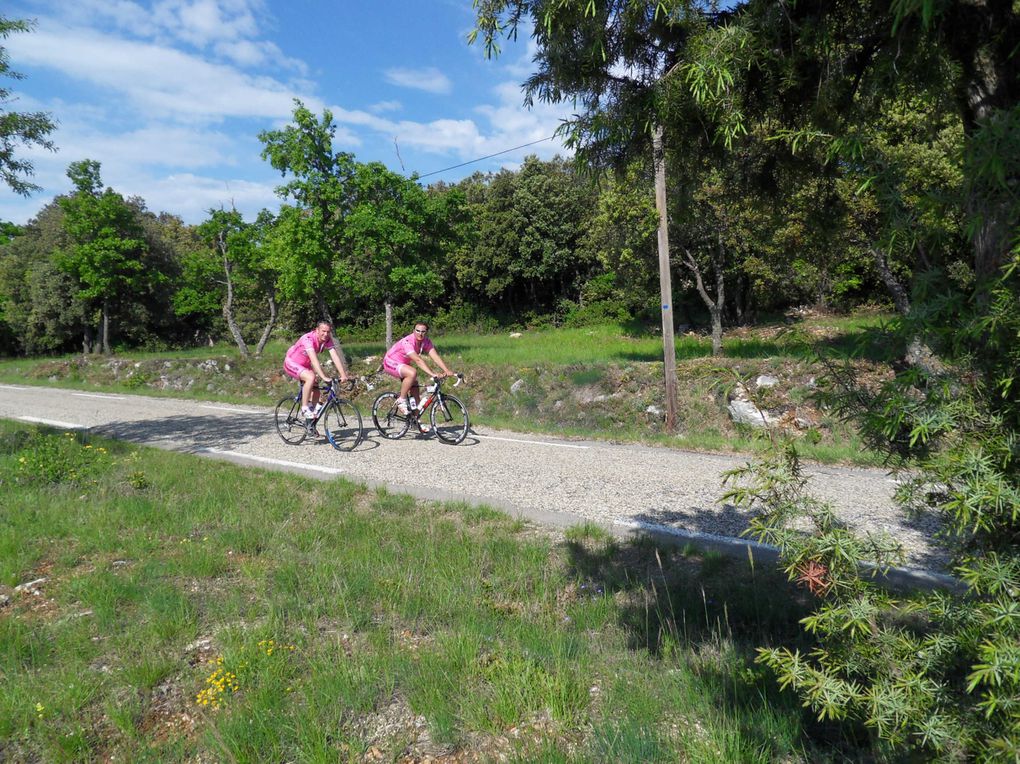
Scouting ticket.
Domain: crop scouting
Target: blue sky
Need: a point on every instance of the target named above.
(170, 95)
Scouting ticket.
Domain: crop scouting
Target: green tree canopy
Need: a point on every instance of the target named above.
(107, 245)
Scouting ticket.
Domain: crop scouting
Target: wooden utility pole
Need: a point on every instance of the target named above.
(665, 281)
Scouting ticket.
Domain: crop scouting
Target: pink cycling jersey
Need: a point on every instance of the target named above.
(298, 353)
(402, 348)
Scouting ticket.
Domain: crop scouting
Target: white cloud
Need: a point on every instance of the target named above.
(429, 79)
(204, 22)
(158, 81)
(191, 196)
(384, 106)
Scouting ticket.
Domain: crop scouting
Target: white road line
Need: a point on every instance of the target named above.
(14, 387)
(279, 462)
(100, 395)
(54, 423)
(532, 442)
(235, 411)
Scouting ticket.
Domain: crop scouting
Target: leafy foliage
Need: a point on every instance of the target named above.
(18, 128)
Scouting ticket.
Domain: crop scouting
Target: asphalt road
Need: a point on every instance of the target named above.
(556, 482)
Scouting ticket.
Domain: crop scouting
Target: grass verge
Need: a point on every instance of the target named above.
(184, 609)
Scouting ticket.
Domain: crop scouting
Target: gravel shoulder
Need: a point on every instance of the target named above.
(545, 479)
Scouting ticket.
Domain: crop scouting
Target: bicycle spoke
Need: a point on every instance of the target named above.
(289, 423)
(343, 425)
(450, 420)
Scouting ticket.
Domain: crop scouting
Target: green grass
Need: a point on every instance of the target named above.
(222, 613)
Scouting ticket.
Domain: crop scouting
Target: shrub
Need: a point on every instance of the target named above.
(935, 672)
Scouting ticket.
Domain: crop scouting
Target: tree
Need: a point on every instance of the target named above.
(38, 299)
(18, 128)
(232, 262)
(224, 232)
(105, 255)
(526, 252)
(312, 233)
(620, 237)
(387, 239)
(614, 58)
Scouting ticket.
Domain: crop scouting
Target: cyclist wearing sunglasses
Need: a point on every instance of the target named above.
(408, 350)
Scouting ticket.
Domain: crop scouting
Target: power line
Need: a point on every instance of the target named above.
(490, 156)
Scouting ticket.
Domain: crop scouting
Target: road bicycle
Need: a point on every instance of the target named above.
(447, 415)
(340, 417)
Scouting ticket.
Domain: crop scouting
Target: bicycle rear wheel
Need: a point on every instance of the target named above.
(342, 421)
(449, 420)
(289, 421)
(387, 418)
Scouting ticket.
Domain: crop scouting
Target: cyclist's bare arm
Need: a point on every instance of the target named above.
(434, 355)
(420, 363)
(338, 362)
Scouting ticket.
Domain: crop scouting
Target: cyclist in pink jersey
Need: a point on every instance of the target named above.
(406, 351)
(302, 363)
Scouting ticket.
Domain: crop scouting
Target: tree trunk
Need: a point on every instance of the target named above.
(320, 303)
(980, 40)
(716, 314)
(720, 301)
(228, 302)
(324, 315)
(715, 307)
(105, 339)
(389, 324)
(268, 330)
(896, 289)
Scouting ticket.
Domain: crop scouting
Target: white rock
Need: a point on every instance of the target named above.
(514, 335)
(29, 586)
(745, 412)
(654, 411)
(766, 380)
(516, 386)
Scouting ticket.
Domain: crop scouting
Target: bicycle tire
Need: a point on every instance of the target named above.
(342, 422)
(290, 424)
(449, 419)
(390, 423)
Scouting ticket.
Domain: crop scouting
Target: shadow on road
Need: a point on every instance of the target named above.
(191, 433)
(729, 521)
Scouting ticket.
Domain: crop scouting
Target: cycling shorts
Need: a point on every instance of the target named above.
(293, 370)
(392, 368)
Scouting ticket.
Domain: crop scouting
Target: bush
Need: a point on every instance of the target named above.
(596, 313)
(937, 673)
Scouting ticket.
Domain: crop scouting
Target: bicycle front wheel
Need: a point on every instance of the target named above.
(387, 418)
(449, 420)
(289, 421)
(343, 425)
